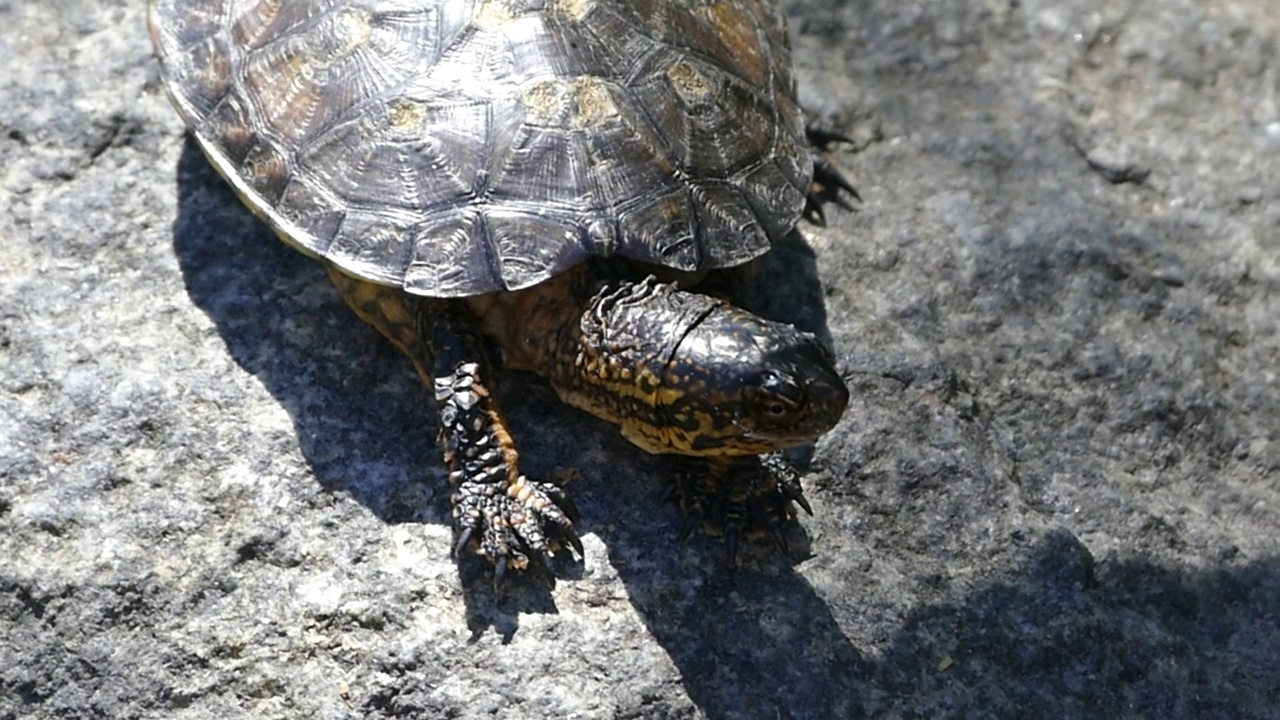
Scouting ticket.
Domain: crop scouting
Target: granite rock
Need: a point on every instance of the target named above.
(1057, 488)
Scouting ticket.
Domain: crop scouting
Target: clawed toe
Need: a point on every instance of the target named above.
(821, 136)
(746, 497)
(529, 518)
(788, 480)
(834, 184)
(692, 520)
(829, 184)
(780, 538)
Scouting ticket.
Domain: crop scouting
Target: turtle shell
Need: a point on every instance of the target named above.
(458, 147)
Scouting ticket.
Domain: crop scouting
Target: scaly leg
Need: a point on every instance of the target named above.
(494, 504)
(502, 512)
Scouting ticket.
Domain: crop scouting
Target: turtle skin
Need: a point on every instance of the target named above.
(503, 180)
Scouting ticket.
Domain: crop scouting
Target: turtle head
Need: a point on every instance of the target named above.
(738, 384)
(685, 373)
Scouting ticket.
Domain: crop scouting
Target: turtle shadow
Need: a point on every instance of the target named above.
(364, 423)
(355, 404)
(366, 427)
(751, 641)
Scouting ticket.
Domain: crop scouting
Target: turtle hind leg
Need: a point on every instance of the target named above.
(829, 184)
(496, 508)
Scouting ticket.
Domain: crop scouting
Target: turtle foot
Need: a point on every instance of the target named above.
(507, 522)
(499, 511)
(829, 185)
(740, 498)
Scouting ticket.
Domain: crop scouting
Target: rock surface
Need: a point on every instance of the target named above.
(1056, 492)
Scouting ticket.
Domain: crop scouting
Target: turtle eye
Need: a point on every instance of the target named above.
(774, 397)
(776, 409)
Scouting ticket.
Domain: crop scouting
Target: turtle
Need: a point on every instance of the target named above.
(558, 186)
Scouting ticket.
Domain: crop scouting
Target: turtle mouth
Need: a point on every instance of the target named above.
(758, 442)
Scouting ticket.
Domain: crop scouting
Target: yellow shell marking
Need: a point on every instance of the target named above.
(595, 102)
(689, 83)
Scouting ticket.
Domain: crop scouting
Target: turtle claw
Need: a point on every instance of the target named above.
(794, 493)
(779, 538)
(820, 136)
(464, 539)
(813, 212)
(797, 496)
(499, 570)
(509, 521)
(826, 174)
(829, 184)
(575, 542)
(731, 537)
(745, 497)
(691, 521)
(787, 479)
(562, 501)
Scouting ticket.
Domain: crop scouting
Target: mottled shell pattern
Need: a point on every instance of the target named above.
(457, 147)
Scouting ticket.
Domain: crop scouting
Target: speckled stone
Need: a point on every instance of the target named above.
(1057, 489)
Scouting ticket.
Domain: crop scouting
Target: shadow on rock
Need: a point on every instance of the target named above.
(1062, 634)
(1124, 638)
(355, 404)
(757, 642)
(363, 421)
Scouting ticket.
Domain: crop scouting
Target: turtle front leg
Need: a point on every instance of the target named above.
(495, 506)
(738, 497)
